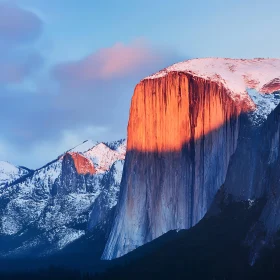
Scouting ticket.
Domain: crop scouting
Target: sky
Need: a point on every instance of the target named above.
(68, 68)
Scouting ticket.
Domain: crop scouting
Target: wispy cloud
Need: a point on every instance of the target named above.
(18, 25)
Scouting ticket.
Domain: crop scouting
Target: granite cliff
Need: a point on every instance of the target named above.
(194, 127)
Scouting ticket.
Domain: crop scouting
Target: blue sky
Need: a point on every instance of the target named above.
(68, 68)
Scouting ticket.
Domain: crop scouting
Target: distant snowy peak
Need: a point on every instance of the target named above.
(10, 172)
(95, 157)
(104, 157)
(237, 75)
(89, 157)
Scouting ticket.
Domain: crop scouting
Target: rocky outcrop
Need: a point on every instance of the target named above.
(82, 164)
(188, 123)
(77, 175)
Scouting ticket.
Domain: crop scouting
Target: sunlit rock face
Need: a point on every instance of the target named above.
(181, 135)
(82, 164)
(186, 123)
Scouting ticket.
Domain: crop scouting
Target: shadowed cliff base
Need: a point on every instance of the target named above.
(212, 249)
(162, 191)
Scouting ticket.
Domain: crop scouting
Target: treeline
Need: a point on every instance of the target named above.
(211, 268)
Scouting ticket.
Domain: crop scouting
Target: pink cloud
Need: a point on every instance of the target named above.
(117, 61)
(18, 25)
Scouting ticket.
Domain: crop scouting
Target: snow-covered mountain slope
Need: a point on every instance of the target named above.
(51, 208)
(103, 156)
(10, 173)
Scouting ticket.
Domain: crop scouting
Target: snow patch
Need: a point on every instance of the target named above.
(265, 104)
(103, 157)
(10, 173)
(251, 202)
(69, 236)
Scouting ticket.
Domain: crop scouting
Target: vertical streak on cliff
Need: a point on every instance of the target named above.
(182, 132)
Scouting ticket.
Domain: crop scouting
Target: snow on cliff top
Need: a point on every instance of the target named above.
(237, 75)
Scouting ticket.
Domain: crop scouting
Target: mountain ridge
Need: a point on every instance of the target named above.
(49, 208)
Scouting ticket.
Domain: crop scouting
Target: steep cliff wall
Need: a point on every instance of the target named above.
(182, 132)
(188, 124)
(82, 164)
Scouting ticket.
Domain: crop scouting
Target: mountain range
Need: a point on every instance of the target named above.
(202, 156)
(44, 210)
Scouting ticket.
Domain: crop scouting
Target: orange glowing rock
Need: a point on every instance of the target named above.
(167, 113)
(82, 164)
